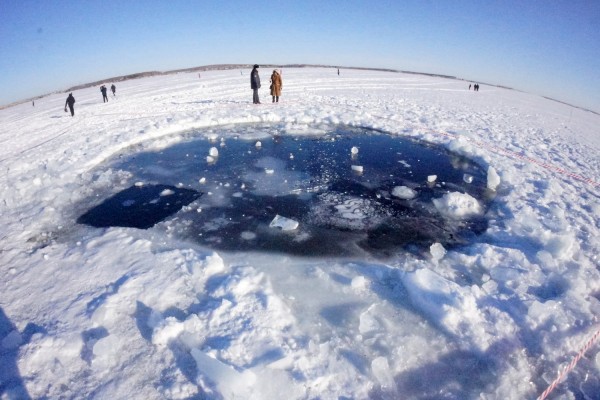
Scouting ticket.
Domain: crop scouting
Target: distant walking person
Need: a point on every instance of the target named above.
(114, 89)
(338, 72)
(71, 103)
(104, 96)
(469, 86)
(276, 85)
(255, 84)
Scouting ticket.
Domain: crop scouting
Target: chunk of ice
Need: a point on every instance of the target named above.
(381, 370)
(404, 192)
(286, 224)
(431, 178)
(214, 152)
(493, 179)
(358, 168)
(458, 205)
(354, 150)
(468, 178)
(230, 383)
(437, 251)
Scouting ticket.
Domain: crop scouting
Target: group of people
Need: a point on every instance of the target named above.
(71, 100)
(475, 87)
(276, 85)
(103, 90)
(275, 88)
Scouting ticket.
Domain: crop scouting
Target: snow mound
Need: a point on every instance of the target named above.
(448, 305)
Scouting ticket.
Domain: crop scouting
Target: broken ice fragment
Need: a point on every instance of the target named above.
(457, 205)
(258, 144)
(437, 251)
(493, 179)
(381, 369)
(214, 152)
(285, 224)
(210, 159)
(431, 178)
(246, 235)
(357, 168)
(468, 178)
(202, 181)
(354, 150)
(269, 171)
(404, 192)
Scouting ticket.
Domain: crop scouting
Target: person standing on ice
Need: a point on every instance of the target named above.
(104, 96)
(276, 85)
(113, 88)
(71, 103)
(255, 84)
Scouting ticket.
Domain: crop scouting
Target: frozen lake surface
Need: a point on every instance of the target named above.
(208, 293)
(346, 191)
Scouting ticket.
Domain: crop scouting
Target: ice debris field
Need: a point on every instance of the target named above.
(374, 235)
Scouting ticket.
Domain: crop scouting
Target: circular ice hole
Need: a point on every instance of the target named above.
(393, 204)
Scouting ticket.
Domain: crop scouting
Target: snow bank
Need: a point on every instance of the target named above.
(452, 307)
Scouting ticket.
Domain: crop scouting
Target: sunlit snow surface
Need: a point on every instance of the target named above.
(309, 182)
(88, 312)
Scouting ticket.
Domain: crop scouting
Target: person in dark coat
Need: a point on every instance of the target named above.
(104, 96)
(71, 103)
(113, 88)
(255, 84)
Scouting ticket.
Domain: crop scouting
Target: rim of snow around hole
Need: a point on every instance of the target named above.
(323, 190)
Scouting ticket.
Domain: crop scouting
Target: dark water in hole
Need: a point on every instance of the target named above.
(139, 206)
(311, 181)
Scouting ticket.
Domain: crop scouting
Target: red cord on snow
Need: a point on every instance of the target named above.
(523, 157)
(571, 365)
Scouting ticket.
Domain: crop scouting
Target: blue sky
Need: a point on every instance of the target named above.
(547, 47)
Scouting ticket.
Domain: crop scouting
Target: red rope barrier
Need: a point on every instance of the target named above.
(571, 365)
(525, 158)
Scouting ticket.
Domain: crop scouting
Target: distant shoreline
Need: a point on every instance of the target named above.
(221, 67)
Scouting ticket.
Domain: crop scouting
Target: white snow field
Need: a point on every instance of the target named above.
(124, 313)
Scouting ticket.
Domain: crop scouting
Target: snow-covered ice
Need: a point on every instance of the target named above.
(127, 313)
